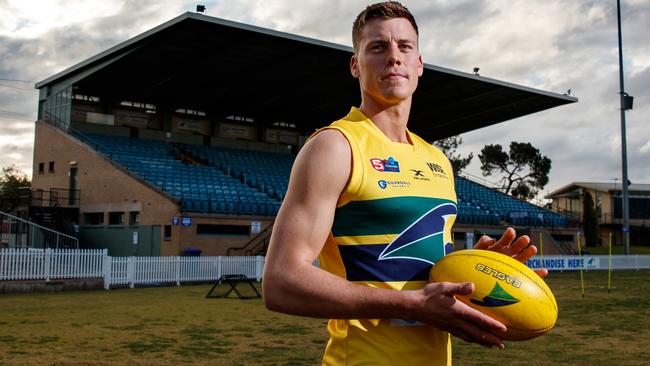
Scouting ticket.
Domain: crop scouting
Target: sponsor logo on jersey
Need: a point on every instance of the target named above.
(383, 184)
(497, 297)
(437, 170)
(419, 175)
(385, 165)
(423, 240)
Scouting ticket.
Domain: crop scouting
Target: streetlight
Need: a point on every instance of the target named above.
(626, 103)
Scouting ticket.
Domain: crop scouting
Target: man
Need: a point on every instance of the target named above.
(376, 204)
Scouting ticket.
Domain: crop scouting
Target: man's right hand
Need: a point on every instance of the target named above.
(439, 307)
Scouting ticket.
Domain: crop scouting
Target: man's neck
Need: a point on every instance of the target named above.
(390, 120)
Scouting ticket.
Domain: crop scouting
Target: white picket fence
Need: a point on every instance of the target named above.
(50, 264)
(47, 264)
(133, 271)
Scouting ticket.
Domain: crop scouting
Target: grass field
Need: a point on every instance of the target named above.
(177, 325)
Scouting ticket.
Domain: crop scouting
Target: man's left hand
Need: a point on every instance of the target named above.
(519, 249)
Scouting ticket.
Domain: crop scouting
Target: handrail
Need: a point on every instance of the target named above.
(264, 234)
(33, 224)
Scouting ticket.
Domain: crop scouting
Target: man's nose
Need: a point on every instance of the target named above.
(394, 55)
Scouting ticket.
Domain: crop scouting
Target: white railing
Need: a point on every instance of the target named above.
(49, 264)
(133, 271)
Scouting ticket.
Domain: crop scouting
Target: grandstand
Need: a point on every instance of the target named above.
(164, 160)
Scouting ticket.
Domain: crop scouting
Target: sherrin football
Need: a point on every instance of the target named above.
(505, 289)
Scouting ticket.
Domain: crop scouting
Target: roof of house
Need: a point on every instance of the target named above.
(597, 186)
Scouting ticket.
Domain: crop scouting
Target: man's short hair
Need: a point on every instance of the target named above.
(385, 10)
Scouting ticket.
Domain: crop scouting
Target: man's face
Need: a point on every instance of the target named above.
(387, 61)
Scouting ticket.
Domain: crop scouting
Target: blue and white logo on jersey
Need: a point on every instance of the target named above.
(382, 184)
(424, 240)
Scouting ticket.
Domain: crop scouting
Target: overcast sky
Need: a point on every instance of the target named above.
(554, 45)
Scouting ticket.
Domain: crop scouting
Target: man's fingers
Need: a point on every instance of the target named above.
(484, 242)
(526, 254)
(520, 244)
(542, 272)
(451, 288)
(470, 333)
(480, 328)
(481, 320)
(507, 238)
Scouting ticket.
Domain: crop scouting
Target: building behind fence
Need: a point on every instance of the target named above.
(26, 264)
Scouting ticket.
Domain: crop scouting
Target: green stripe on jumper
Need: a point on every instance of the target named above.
(381, 216)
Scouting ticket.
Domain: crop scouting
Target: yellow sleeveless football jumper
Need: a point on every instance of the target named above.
(392, 223)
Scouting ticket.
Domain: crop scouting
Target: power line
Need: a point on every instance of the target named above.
(19, 81)
(18, 87)
(17, 116)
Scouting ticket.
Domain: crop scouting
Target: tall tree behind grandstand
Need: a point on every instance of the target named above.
(11, 182)
(589, 220)
(524, 169)
(448, 146)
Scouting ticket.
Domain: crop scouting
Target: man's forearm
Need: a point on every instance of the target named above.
(309, 291)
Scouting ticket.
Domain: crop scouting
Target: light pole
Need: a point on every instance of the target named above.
(623, 99)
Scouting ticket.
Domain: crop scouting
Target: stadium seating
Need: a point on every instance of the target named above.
(200, 185)
(229, 181)
(478, 204)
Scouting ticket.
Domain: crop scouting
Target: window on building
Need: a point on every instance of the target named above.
(41, 168)
(116, 218)
(222, 230)
(134, 218)
(94, 218)
(167, 232)
(50, 167)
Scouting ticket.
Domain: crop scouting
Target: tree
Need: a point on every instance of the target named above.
(525, 169)
(589, 220)
(448, 146)
(11, 182)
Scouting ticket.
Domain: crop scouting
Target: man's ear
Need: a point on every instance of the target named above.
(354, 67)
(420, 66)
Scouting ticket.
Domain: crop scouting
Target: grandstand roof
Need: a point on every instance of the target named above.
(597, 186)
(226, 68)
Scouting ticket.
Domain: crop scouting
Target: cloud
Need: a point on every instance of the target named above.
(547, 44)
(645, 149)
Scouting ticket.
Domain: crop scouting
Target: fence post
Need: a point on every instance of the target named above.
(219, 267)
(47, 259)
(178, 271)
(108, 265)
(259, 267)
(130, 272)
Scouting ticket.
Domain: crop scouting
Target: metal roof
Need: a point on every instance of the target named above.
(597, 186)
(226, 68)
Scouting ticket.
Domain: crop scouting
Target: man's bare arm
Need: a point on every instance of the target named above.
(293, 285)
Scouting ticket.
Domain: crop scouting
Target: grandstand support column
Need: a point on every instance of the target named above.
(625, 202)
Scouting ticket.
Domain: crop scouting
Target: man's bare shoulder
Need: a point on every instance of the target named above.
(329, 141)
(323, 165)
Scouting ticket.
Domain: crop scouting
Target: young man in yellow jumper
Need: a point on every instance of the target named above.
(376, 204)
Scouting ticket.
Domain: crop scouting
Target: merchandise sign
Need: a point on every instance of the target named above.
(564, 263)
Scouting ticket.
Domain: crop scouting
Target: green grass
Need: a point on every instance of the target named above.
(619, 249)
(177, 325)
